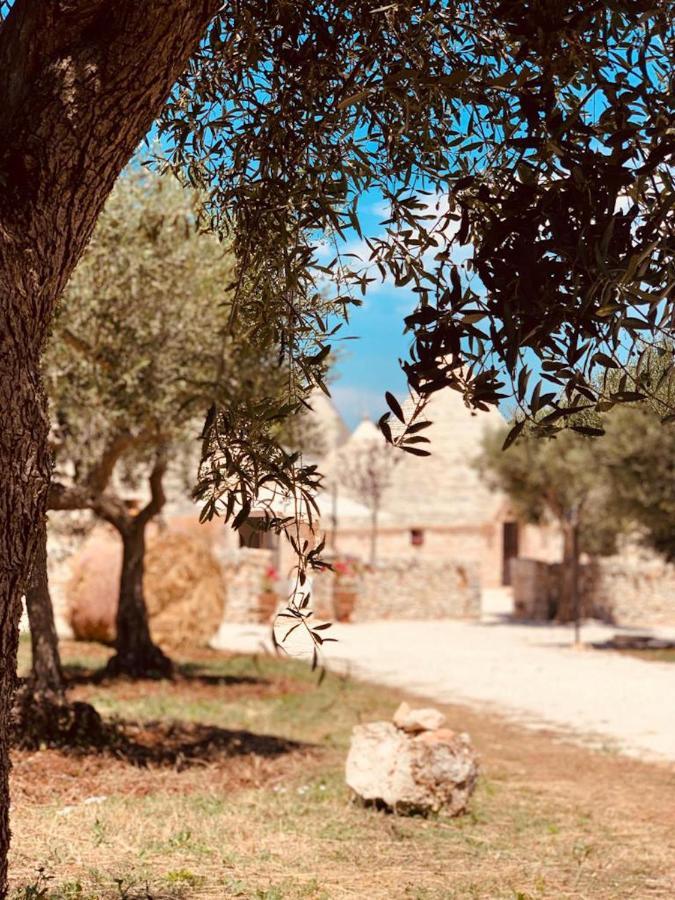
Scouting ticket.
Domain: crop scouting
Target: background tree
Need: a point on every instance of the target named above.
(366, 469)
(288, 115)
(639, 456)
(137, 335)
(559, 480)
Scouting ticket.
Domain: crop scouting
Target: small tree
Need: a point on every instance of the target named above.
(556, 479)
(640, 460)
(366, 467)
(135, 344)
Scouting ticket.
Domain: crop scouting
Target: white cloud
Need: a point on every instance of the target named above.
(354, 402)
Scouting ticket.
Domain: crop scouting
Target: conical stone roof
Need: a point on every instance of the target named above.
(445, 488)
(323, 426)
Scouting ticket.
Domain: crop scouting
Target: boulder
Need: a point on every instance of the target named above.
(416, 720)
(422, 773)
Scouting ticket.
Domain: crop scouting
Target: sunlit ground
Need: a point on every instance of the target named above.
(237, 792)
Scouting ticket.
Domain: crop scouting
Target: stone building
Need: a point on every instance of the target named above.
(438, 507)
(442, 538)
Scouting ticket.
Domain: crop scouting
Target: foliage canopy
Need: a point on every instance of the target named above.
(540, 134)
(559, 480)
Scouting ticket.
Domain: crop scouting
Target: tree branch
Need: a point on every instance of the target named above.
(157, 495)
(62, 496)
(112, 509)
(98, 479)
(109, 507)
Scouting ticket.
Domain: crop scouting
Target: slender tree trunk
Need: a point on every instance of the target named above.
(569, 608)
(46, 674)
(373, 535)
(136, 654)
(41, 713)
(24, 475)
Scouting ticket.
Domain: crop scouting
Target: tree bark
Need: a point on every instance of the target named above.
(81, 82)
(24, 464)
(137, 656)
(46, 674)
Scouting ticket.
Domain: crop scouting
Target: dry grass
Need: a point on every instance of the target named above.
(549, 820)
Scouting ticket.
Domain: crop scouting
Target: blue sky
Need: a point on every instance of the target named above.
(368, 366)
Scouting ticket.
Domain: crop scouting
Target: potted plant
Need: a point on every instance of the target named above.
(268, 598)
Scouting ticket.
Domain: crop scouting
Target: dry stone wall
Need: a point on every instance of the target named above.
(633, 592)
(394, 589)
(244, 572)
(630, 591)
(418, 589)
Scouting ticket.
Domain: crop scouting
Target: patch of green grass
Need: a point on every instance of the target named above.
(539, 825)
(300, 710)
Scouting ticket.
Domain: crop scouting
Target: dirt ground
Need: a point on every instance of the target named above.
(234, 788)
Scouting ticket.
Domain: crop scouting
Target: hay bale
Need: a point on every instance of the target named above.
(184, 589)
(91, 592)
(184, 586)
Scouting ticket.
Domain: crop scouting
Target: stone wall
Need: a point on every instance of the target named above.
(418, 589)
(635, 590)
(479, 546)
(244, 573)
(394, 589)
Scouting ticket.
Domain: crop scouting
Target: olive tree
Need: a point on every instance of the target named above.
(135, 343)
(639, 459)
(287, 114)
(562, 480)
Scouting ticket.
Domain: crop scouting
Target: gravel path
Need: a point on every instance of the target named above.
(529, 673)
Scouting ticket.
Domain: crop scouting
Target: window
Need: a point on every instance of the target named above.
(416, 537)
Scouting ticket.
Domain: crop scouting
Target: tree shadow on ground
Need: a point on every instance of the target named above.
(176, 745)
(179, 745)
(76, 674)
(634, 642)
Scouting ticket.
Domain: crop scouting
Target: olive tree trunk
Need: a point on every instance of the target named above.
(80, 84)
(41, 713)
(569, 607)
(137, 656)
(24, 468)
(46, 673)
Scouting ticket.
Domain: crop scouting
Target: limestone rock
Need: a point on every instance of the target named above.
(416, 720)
(424, 773)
